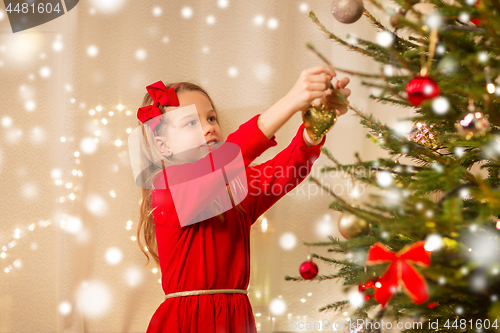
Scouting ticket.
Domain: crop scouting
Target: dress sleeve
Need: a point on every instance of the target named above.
(193, 186)
(271, 180)
(251, 140)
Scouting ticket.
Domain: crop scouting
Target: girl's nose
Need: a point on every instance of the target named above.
(209, 128)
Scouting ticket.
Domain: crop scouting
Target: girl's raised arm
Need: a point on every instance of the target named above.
(270, 181)
(310, 85)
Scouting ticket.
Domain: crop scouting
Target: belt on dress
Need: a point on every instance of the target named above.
(208, 291)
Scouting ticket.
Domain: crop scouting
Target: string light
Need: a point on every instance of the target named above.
(264, 224)
(17, 235)
(71, 187)
(490, 87)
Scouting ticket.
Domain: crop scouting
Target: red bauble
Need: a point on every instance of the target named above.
(432, 305)
(308, 270)
(367, 285)
(363, 287)
(421, 88)
(476, 21)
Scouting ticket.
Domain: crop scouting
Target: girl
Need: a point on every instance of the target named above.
(205, 264)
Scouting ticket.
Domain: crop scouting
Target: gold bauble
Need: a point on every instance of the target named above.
(474, 124)
(422, 133)
(318, 119)
(351, 226)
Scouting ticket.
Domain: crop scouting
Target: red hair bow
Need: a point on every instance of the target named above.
(161, 96)
(400, 271)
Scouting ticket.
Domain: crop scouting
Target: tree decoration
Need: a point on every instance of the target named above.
(474, 124)
(363, 287)
(432, 305)
(308, 269)
(318, 119)
(347, 11)
(400, 271)
(477, 21)
(422, 134)
(422, 87)
(351, 226)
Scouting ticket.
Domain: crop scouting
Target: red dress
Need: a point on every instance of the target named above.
(215, 255)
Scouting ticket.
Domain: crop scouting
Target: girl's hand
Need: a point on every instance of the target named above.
(312, 84)
(333, 101)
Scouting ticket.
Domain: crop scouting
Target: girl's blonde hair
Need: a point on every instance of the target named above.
(146, 225)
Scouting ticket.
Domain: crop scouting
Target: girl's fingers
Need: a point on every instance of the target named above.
(346, 92)
(338, 106)
(341, 111)
(316, 86)
(319, 78)
(344, 82)
(321, 69)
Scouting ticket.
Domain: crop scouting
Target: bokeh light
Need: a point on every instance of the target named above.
(107, 6)
(288, 241)
(64, 308)
(93, 298)
(92, 51)
(134, 276)
(96, 204)
(384, 178)
(88, 145)
(277, 306)
(113, 255)
(325, 226)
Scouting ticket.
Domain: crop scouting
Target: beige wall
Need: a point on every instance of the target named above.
(56, 262)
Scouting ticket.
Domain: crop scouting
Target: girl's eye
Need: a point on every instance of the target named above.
(214, 119)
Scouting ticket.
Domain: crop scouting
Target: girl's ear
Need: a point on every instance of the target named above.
(162, 146)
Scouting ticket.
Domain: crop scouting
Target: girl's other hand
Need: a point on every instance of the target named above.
(332, 101)
(312, 84)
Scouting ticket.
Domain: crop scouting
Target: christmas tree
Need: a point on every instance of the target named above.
(425, 244)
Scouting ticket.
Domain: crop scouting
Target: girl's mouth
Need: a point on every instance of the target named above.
(210, 144)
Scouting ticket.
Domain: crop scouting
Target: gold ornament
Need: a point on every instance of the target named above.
(351, 226)
(318, 119)
(421, 133)
(474, 124)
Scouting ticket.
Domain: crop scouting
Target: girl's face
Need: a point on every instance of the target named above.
(188, 129)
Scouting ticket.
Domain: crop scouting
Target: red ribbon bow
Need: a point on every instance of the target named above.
(400, 271)
(161, 96)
